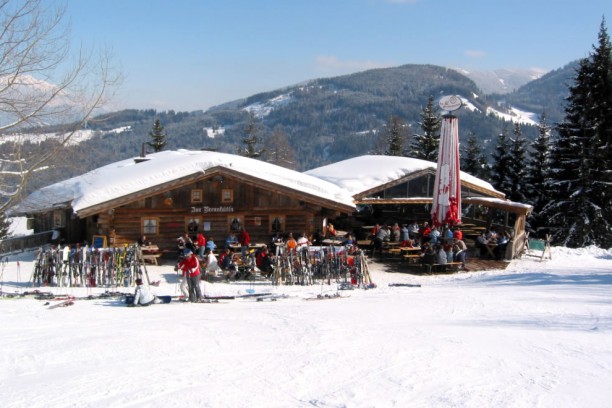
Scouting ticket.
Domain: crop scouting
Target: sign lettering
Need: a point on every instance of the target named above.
(206, 209)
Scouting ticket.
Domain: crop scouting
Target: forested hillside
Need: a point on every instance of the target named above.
(322, 121)
(544, 94)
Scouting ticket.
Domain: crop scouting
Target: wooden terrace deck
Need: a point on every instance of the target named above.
(473, 264)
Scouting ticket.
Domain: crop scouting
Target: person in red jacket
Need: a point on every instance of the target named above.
(458, 234)
(190, 266)
(201, 244)
(245, 239)
(424, 234)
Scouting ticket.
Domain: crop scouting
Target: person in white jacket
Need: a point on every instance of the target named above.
(142, 295)
(211, 263)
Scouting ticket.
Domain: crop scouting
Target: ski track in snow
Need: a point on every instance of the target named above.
(535, 334)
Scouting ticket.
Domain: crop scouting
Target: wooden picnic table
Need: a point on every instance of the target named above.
(150, 253)
(491, 248)
(150, 249)
(410, 249)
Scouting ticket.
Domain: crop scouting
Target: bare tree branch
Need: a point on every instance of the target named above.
(42, 82)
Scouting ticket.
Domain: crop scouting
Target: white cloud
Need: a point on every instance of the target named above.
(475, 53)
(332, 63)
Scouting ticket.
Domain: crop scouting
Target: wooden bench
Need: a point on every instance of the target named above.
(447, 267)
(392, 254)
(411, 257)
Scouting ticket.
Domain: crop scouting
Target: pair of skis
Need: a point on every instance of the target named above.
(326, 296)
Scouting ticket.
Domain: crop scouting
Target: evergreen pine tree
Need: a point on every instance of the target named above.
(516, 166)
(473, 160)
(501, 163)
(537, 175)
(395, 135)
(581, 192)
(425, 146)
(252, 139)
(602, 141)
(158, 137)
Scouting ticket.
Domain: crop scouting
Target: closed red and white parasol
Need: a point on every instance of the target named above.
(446, 207)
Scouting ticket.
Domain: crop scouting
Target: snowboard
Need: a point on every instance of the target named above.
(129, 299)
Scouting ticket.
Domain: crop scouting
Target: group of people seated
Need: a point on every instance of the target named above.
(439, 245)
(452, 250)
(264, 256)
(439, 238)
(198, 246)
(495, 242)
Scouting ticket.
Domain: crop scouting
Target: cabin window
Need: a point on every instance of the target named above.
(399, 191)
(421, 186)
(59, 219)
(227, 195)
(277, 223)
(150, 226)
(192, 225)
(235, 222)
(196, 196)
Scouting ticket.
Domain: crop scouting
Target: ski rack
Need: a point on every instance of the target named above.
(344, 265)
(89, 267)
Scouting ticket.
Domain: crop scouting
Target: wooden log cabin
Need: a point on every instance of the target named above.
(166, 194)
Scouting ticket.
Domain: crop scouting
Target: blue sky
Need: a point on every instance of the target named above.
(193, 54)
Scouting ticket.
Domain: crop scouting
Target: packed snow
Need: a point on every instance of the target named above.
(534, 334)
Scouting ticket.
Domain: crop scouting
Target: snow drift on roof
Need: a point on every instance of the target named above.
(126, 177)
(366, 172)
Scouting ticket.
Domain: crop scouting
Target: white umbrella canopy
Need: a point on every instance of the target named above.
(446, 207)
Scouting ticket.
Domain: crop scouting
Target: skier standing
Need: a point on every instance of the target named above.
(190, 266)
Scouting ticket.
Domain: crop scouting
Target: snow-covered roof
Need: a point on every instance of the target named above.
(126, 177)
(363, 173)
(500, 203)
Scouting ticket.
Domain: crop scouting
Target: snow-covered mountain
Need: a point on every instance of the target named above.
(504, 80)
